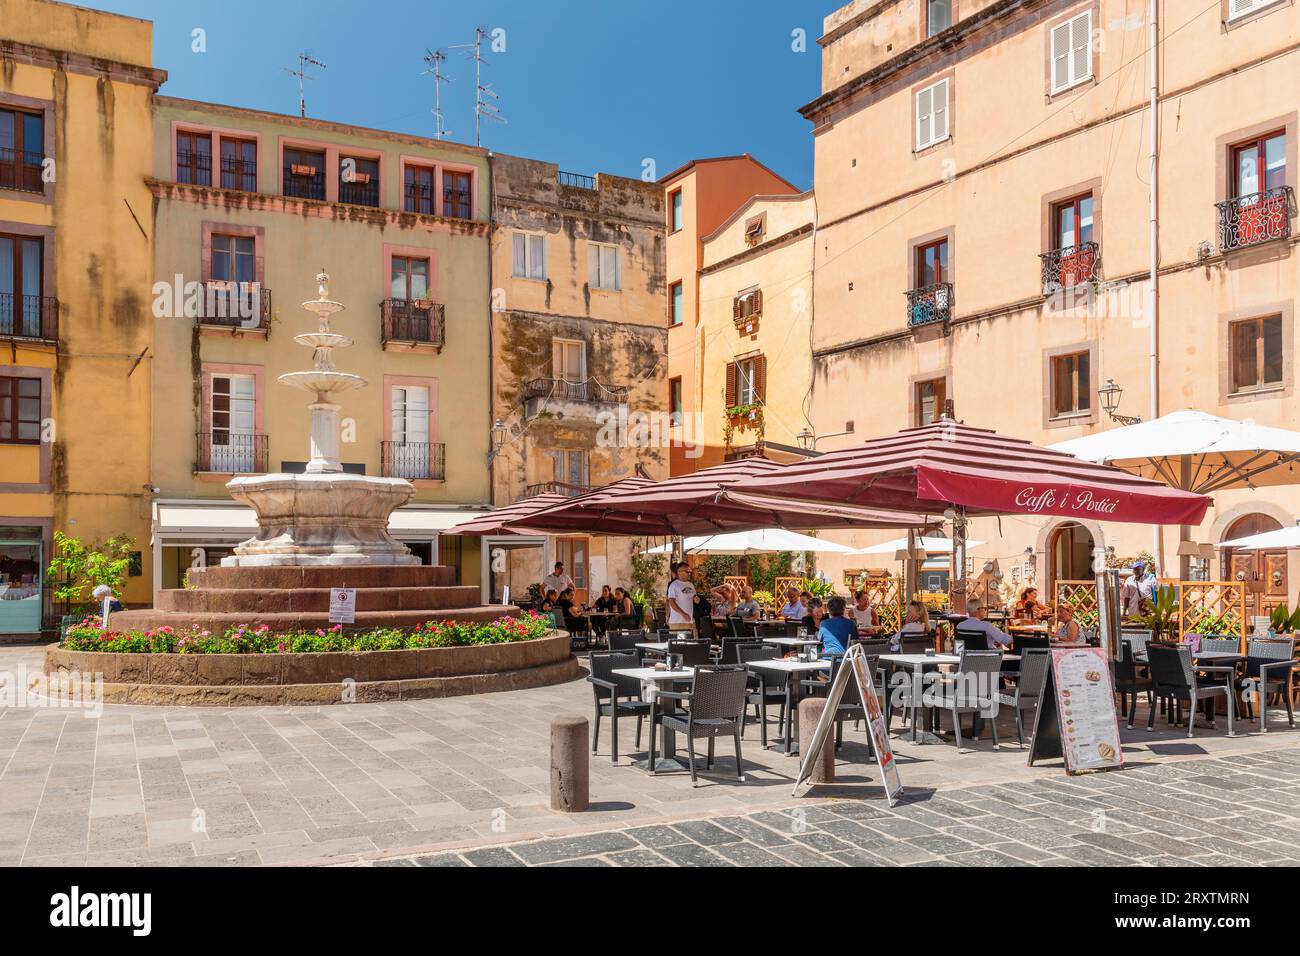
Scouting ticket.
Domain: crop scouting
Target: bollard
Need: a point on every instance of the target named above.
(569, 767)
(810, 712)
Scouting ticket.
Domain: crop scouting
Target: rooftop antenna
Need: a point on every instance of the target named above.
(304, 61)
(483, 92)
(436, 59)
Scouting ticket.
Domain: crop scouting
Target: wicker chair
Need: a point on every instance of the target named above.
(692, 653)
(739, 627)
(973, 689)
(715, 706)
(616, 695)
(1129, 683)
(1220, 643)
(626, 640)
(1034, 662)
(1269, 665)
(763, 686)
(1175, 681)
(778, 629)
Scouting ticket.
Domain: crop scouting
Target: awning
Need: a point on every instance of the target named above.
(1281, 538)
(759, 541)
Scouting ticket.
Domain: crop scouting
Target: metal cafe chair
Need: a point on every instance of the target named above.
(1174, 680)
(715, 707)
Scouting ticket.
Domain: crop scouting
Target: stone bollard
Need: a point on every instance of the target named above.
(570, 777)
(810, 712)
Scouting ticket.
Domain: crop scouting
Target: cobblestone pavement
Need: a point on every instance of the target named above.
(1240, 811)
(356, 783)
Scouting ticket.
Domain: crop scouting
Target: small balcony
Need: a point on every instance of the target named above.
(575, 180)
(570, 400)
(236, 306)
(1071, 267)
(304, 182)
(557, 488)
(21, 171)
(412, 323)
(238, 174)
(224, 452)
(34, 317)
(1257, 218)
(414, 461)
(930, 304)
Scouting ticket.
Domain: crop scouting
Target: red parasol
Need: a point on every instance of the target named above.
(493, 522)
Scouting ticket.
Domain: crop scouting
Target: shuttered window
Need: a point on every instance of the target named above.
(1240, 8)
(1072, 52)
(932, 114)
(746, 381)
(747, 304)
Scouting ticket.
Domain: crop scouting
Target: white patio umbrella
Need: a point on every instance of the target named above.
(935, 545)
(761, 541)
(1281, 538)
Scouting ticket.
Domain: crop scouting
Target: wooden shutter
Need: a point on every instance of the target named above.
(1081, 42)
(1060, 57)
(756, 306)
(736, 313)
(731, 392)
(924, 117)
(760, 378)
(939, 122)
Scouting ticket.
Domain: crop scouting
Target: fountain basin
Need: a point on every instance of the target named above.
(323, 381)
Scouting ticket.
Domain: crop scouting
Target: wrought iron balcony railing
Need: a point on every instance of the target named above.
(562, 390)
(1259, 217)
(229, 453)
(238, 174)
(418, 198)
(298, 185)
(29, 316)
(413, 320)
(236, 305)
(193, 168)
(557, 488)
(932, 303)
(576, 180)
(1070, 267)
(414, 460)
(21, 171)
(359, 193)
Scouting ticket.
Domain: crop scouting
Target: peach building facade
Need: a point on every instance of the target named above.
(981, 171)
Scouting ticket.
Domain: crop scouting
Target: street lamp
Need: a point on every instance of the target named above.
(808, 439)
(1110, 394)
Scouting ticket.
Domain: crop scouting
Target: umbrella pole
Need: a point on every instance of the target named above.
(1184, 530)
(957, 570)
(909, 567)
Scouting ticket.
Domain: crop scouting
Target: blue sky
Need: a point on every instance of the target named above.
(594, 85)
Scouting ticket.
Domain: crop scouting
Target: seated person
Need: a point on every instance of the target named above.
(1067, 628)
(864, 615)
(917, 622)
(1028, 607)
(723, 598)
(812, 621)
(572, 611)
(748, 609)
(794, 609)
(606, 600)
(623, 605)
(836, 631)
(975, 625)
(548, 602)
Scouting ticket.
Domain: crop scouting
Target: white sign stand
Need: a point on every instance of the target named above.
(343, 605)
(855, 664)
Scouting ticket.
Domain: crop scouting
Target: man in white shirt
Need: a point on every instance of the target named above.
(863, 614)
(557, 580)
(1146, 580)
(794, 609)
(681, 601)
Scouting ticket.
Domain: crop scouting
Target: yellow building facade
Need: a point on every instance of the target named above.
(76, 265)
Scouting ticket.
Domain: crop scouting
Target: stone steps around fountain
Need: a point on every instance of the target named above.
(219, 622)
(209, 600)
(325, 576)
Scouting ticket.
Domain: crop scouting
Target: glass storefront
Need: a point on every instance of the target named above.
(21, 561)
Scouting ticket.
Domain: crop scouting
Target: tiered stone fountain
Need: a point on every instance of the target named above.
(315, 531)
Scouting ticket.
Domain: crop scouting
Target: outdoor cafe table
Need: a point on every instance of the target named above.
(660, 646)
(790, 641)
(648, 675)
(793, 669)
(917, 663)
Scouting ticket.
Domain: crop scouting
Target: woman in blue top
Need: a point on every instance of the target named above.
(836, 630)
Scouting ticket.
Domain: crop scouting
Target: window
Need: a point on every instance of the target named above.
(359, 180)
(1074, 263)
(746, 381)
(234, 259)
(1072, 52)
(1259, 165)
(938, 16)
(1256, 346)
(1071, 389)
(602, 266)
(233, 447)
(932, 264)
(932, 115)
(747, 305)
(410, 416)
(678, 313)
(20, 410)
(675, 203)
(1072, 222)
(21, 305)
(529, 256)
(22, 150)
(456, 194)
(418, 189)
(304, 174)
(1240, 8)
(410, 279)
(569, 360)
(754, 229)
(931, 395)
(573, 552)
(675, 401)
(194, 158)
(239, 164)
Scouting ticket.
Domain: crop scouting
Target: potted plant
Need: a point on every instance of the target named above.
(1162, 619)
(1283, 621)
(79, 569)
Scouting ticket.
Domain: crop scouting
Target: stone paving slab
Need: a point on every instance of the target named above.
(440, 779)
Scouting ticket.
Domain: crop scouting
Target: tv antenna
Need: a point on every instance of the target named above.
(436, 59)
(484, 96)
(304, 61)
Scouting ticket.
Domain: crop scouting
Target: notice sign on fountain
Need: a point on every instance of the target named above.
(343, 605)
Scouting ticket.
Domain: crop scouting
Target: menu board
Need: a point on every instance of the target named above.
(1076, 714)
